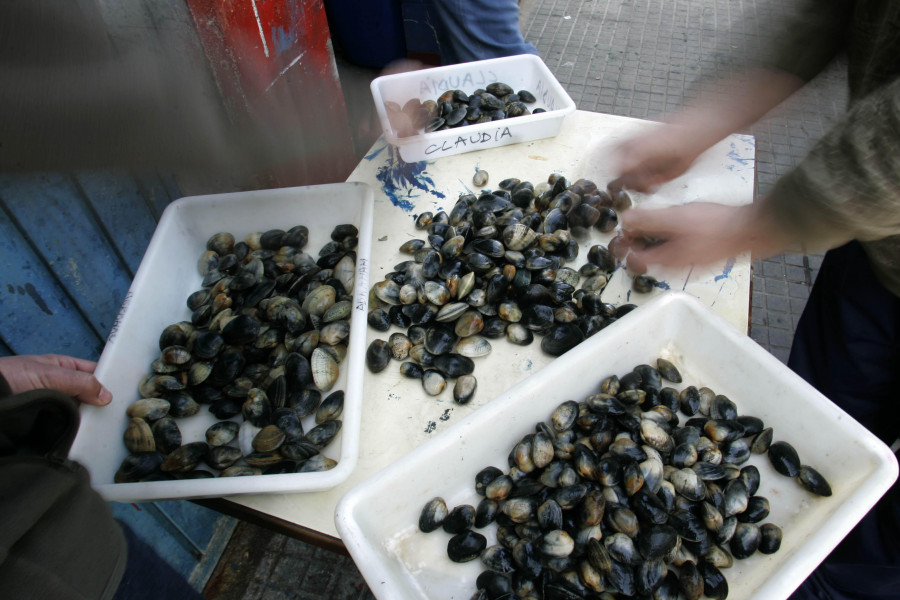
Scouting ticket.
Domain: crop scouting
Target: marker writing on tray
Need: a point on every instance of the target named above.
(362, 283)
(475, 138)
(455, 82)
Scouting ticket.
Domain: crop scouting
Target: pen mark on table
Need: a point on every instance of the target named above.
(687, 279)
(431, 426)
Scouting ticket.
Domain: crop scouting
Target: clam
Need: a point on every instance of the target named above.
(185, 458)
(813, 481)
(268, 438)
(138, 436)
(325, 370)
(433, 515)
(321, 435)
(135, 467)
(149, 409)
(466, 546)
(222, 433)
(222, 457)
(378, 355)
(330, 408)
(459, 519)
(784, 458)
(166, 434)
(464, 388)
(433, 382)
(317, 463)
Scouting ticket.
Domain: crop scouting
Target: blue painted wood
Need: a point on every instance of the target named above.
(158, 190)
(64, 231)
(37, 316)
(120, 208)
(199, 524)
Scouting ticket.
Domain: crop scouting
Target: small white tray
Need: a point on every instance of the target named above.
(157, 298)
(377, 519)
(524, 71)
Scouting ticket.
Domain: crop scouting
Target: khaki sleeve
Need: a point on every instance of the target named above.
(810, 38)
(848, 187)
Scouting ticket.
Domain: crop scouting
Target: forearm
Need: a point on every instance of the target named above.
(733, 105)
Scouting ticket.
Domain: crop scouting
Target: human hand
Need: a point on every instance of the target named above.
(72, 376)
(663, 153)
(696, 233)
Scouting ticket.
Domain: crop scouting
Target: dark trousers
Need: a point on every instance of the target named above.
(847, 345)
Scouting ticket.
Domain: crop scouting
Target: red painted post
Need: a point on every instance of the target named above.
(275, 68)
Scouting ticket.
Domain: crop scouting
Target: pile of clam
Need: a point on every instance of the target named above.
(267, 333)
(496, 267)
(455, 108)
(615, 497)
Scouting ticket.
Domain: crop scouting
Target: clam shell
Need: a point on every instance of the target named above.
(319, 300)
(317, 463)
(464, 389)
(345, 272)
(473, 346)
(138, 436)
(268, 439)
(466, 285)
(451, 312)
(325, 369)
(469, 323)
(518, 237)
(433, 382)
(222, 432)
(387, 291)
(150, 409)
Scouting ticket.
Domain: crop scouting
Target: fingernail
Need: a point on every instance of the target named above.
(105, 396)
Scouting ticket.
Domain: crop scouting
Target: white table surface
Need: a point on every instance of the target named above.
(397, 413)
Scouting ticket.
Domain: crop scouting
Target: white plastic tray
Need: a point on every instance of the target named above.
(167, 275)
(524, 71)
(377, 519)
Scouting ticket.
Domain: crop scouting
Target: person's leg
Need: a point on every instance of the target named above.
(149, 577)
(479, 29)
(847, 346)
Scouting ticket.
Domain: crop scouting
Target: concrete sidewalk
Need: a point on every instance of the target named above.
(621, 57)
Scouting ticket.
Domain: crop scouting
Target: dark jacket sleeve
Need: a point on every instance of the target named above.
(58, 538)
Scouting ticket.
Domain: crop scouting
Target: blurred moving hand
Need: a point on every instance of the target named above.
(659, 155)
(697, 233)
(72, 376)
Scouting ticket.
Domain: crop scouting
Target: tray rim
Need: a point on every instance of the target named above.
(797, 566)
(284, 483)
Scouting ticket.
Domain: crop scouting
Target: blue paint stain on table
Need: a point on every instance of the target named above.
(401, 180)
(726, 272)
(742, 160)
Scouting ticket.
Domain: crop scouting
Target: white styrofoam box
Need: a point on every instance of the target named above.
(167, 275)
(377, 519)
(524, 71)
